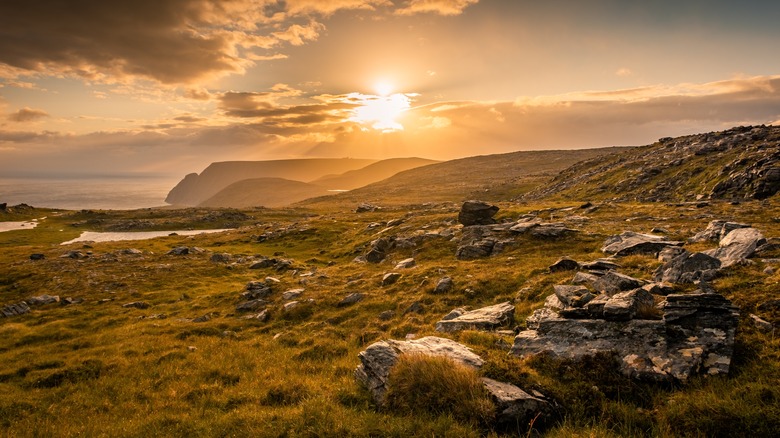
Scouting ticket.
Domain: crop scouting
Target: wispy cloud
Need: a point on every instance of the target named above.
(27, 115)
(441, 7)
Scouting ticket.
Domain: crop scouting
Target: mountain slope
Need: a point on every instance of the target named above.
(739, 163)
(194, 188)
(263, 192)
(371, 173)
(489, 177)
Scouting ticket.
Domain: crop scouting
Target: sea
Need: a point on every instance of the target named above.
(97, 193)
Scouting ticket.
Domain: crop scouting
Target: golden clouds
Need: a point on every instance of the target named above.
(441, 7)
(27, 115)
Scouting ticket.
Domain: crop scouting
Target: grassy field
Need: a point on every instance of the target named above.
(100, 369)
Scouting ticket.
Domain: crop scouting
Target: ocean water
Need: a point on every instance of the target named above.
(125, 193)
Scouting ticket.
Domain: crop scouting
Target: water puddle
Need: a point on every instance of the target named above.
(92, 236)
(25, 225)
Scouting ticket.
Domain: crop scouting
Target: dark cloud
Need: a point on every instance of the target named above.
(27, 115)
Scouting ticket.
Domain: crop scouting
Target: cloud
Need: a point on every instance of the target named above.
(441, 7)
(624, 72)
(27, 115)
(327, 7)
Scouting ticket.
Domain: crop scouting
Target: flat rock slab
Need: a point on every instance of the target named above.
(512, 403)
(737, 246)
(613, 282)
(486, 318)
(629, 243)
(14, 309)
(688, 268)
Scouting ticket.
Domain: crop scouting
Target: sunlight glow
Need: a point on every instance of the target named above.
(380, 112)
(383, 89)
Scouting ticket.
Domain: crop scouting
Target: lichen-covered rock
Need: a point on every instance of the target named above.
(443, 286)
(350, 299)
(737, 246)
(486, 318)
(513, 405)
(406, 264)
(390, 278)
(613, 282)
(475, 250)
(43, 299)
(716, 230)
(624, 306)
(572, 296)
(16, 309)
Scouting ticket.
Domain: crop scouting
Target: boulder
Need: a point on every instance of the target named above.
(263, 263)
(629, 242)
(513, 405)
(379, 249)
(572, 296)
(251, 305)
(179, 251)
(486, 318)
(377, 360)
(366, 207)
(261, 316)
(613, 282)
(551, 230)
(350, 299)
(221, 258)
(564, 264)
(390, 278)
(454, 313)
(37, 256)
(43, 299)
(716, 230)
(257, 290)
(443, 286)
(477, 213)
(600, 266)
(406, 264)
(584, 278)
(292, 294)
(688, 268)
(737, 246)
(476, 250)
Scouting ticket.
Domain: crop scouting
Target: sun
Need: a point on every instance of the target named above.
(381, 111)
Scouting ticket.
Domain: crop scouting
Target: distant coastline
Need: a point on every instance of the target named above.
(117, 193)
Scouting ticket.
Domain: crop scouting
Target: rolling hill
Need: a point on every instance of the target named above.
(371, 173)
(263, 192)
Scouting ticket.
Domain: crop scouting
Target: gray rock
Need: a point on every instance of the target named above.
(292, 294)
(454, 313)
(221, 258)
(251, 305)
(131, 252)
(390, 278)
(613, 282)
(525, 226)
(585, 278)
(688, 268)
(17, 309)
(659, 288)
(564, 264)
(486, 318)
(716, 230)
(737, 246)
(179, 251)
(572, 296)
(350, 299)
(629, 242)
(263, 263)
(203, 318)
(696, 336)
(261, 316)
(78, 255)
(624, 306)
(475, 250)
(669, 253)
(600, 265)
(386, 315)
(136, 305)
(256, 290)
(477, 213)
(291, 305)
(443, 286)
(37, 256)
(406, 264)
(513, 405)
(595, 307)
(377, 360)
(415, 307)
(366, 207)
(43, 299)
(379, 248)
(551, 230)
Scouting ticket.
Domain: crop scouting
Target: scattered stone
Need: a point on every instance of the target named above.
(270, 280)
(136, 305)
(659, 230)
(406, 264)
(69, 301)
(716, 230)
(350, 299)
(251, 305)
(659, 288)
(564, 264)
(179, 251)
(390, 278)
(74, 255)
(221, 258)
(395, 222)
(629, 243)
(613, 282)
(477, 213)
(572, 296)
(366, 207)
(43, 299)
(669, 253)
(415, 307)
(688, 268)
(454, 313)
(37, 256)
(257, 289)
(600, 265)
(262, 316)
(131, 251)
(17, 309)
(386, 315)
(551, 230)
(513, 405)
(584, 278)
(379, 249)
(443, 286)
(292, 294)
(263, 264)
(486, 318)
(192, 348)
(761, 324)
(476, 250)
(291, 305)
(203, 318)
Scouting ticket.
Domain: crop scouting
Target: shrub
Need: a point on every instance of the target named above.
(438, 385)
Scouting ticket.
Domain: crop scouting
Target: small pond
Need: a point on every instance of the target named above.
(92, 236)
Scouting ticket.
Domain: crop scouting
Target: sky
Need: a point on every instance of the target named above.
(90, 87)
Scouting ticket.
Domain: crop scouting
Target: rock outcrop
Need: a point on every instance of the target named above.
(688, 268)
(737, 246)
(629, 242)
(477, 213)
(486, 318)
(14, 309)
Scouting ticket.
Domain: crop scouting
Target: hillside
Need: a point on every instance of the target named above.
(263, 192)
(489, 177)
(740, 163)
(371, 173)
(196, 188)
